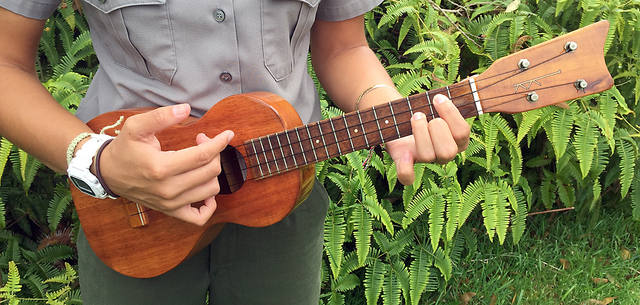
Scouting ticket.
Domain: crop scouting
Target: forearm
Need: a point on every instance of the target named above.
(33, 120)
(345, 72)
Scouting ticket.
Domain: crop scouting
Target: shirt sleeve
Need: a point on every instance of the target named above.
(35, 9)
(339, 10)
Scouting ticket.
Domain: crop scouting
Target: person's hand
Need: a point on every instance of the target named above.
(438, 140)
(133, 166)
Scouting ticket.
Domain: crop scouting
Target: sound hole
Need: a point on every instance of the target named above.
(234, 170)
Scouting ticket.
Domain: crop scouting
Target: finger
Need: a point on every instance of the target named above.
(148, 123)
(194, 157)
(404, 167)
(196, 215)
(458, 126)
(424, 145)
(444, 145)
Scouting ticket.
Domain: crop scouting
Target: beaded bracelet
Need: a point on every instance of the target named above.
(72, 147)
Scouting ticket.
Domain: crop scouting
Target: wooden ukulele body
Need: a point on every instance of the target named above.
(134, 251)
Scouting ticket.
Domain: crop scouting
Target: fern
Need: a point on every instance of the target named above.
(585, 141)
(12, 287)
(374, 280)
(419, 272)
(627, 157)
(436, 220)
(362, 222)
(334, 236)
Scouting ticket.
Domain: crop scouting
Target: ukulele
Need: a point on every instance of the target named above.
(267, 169)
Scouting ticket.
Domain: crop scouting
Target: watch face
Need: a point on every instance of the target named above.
(82, 186)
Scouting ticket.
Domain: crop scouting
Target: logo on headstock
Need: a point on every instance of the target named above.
(527, 84)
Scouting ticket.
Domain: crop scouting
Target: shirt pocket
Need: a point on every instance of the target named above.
(137, 35)
(285, 34)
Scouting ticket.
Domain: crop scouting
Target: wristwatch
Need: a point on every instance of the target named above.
(79, 172)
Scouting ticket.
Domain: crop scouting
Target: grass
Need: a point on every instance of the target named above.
(560, 260)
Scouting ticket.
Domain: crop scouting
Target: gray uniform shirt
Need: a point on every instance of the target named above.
(159, 52)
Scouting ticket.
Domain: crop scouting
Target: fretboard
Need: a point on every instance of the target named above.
(304, 145)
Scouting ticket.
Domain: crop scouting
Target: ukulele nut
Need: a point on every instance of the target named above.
(523, 64)
(532, 97)
(570, 46)
(581, 84)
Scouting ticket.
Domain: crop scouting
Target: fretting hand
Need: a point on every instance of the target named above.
(438, 140)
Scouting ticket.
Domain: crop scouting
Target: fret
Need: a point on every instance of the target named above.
(313, 148)
(304, 155)
(284, 158)
(433, 112)
(395, 124)
(265, 157)
(378, 123)
(255, 151)
(346, 126)
(449, 93)
(335, 136)
(409, 104)
(323, 142)
(293, 154)
(364, 132)
(273, 152)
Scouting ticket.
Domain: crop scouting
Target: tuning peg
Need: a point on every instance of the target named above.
(524, 64)
(570, 46)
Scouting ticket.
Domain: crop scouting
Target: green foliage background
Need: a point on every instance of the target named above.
(384, 242)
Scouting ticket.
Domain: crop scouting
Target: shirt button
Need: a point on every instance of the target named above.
(218, 15)
(225, 77)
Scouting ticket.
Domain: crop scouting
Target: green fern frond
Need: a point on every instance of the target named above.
(417, 206)
(635, 197)
(516, 29)
(410, 82)
(362, 224)
(605, 123)
(490, 139)
(12, 287)
(35, 285)
(374, 280)
(400, 241)
(626, 152)
(378, 212)
(335, 230)
(48, 42)
(436, 220)
(561, 127)
(472, 195)
(443, 263)
(65, 34)
(454, 207)
(58, 205)
(5, 151)
(396, 10)
(547, 190)
(419, 272)
(585, 141)
(55, 253)
(345, 283)
(392, 286)
(502, 217)
(28, 168)
(490, 205)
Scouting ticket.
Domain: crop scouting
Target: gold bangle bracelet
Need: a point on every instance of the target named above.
(369, 90)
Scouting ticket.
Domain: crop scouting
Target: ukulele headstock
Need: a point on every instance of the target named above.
(562, 69)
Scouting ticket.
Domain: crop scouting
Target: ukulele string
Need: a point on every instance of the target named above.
(429, 116)
(271, 150)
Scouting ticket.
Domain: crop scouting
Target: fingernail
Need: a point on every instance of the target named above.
(180, 109)
(439, 99)
(231, 135)
(418, 116)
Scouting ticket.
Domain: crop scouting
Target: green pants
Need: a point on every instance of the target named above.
(279, 264)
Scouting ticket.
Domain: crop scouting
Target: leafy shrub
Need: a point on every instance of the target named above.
(385, 242)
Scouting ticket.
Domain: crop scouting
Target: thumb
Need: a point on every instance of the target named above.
(148, 123)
